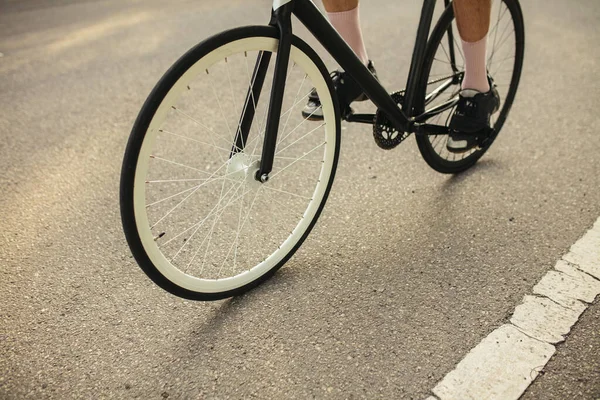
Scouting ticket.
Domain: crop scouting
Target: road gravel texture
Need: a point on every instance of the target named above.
(406, 271)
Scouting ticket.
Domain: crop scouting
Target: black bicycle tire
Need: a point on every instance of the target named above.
(137, 136)
(428, 153)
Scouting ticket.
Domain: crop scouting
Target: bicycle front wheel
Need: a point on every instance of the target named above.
(443, 71)
(197, 221)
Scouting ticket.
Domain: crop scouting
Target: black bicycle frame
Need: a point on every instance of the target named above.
(311, 17)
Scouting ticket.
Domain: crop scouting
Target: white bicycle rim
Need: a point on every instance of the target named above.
(159, 260)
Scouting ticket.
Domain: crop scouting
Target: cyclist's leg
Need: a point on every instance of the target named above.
(344, 16)
(477, 100)
(473, 20)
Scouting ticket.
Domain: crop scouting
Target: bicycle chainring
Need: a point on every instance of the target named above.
(385, 134)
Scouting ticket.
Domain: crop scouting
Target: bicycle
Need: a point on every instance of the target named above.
(210, 203)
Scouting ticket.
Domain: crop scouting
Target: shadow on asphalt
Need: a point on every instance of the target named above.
(480, 167)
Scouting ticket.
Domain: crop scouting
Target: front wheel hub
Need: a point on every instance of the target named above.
(241, 168)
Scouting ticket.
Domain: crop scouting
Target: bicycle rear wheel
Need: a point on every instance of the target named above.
(197, 221)
(441, 79)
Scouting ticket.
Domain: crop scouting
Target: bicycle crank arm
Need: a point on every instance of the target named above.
(483, 137)
(360, 118)
(429, 129)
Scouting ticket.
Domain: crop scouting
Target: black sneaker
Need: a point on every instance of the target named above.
(471, 118)
(346, 89)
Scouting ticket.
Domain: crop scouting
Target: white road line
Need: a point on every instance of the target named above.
(509, 359)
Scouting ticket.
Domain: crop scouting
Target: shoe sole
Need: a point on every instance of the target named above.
(311, 116)
(461, 151)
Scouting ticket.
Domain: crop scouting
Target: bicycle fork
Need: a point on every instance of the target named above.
(281, 18)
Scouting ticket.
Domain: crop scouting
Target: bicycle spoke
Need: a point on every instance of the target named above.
(449, 62)
(177, 180)
(219, 104)
(210, 238)
(495, 29)
(194, 140)
(293, 158)
(221, 178)
(287, 112)
(200, 124)
(497, 70)
(500, 17)
(182, 165)
(231, 88)
(503, 40)
(293, 143)
(442, 61)
(208, 235)
(212, 230)
(251, 85)
(182, 201)
(274, 199)
(239, 228)
(293, 102)
(278, 221)
(286, 192)
(175, 195)
(201, 222)
(237, 236)
(261, 134)
(189, 240)
(298, 159)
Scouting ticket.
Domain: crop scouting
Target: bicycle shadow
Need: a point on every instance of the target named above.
(294, 272)
(460, 194)
(226, 311)
(316, 314)
(481, 166)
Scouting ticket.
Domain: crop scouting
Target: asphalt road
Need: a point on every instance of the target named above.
(405, 272)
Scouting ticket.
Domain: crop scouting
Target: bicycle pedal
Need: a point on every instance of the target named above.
(485, 137)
